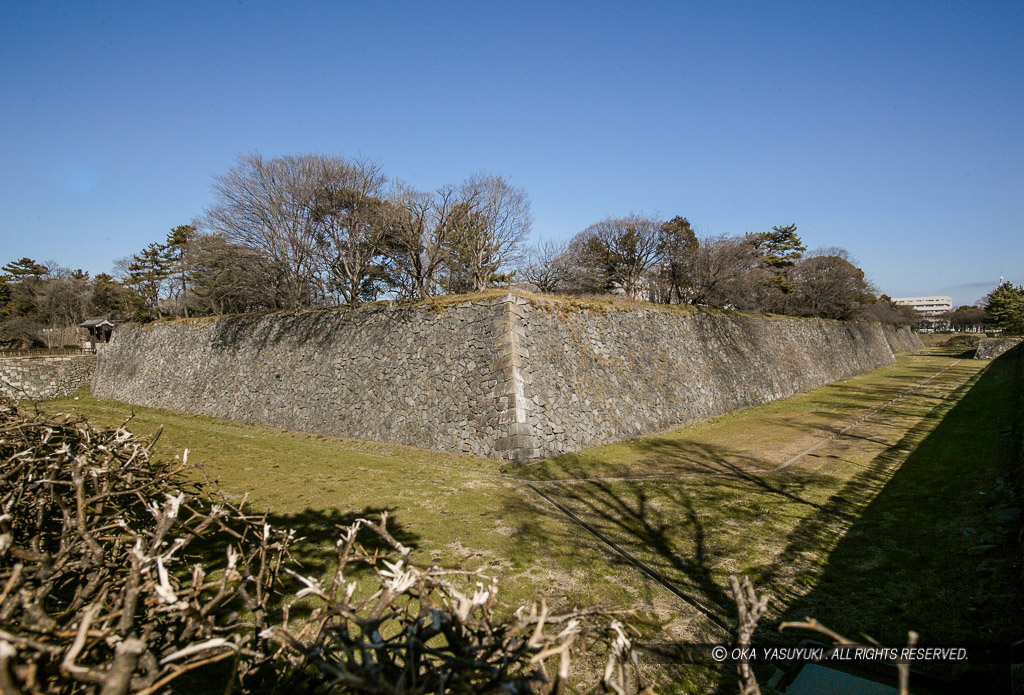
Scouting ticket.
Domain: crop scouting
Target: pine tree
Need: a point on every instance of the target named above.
(108, 295)
(19, 287)
(1005, 308)
(780, 248)
(147, 274)
(24, 268)
(779, 251)
(176, 250)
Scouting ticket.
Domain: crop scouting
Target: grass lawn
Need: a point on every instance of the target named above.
(864, 531)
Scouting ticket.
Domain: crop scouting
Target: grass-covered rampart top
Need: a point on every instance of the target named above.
(599, 304)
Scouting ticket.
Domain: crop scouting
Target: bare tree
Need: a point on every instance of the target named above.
(269, 205)
(547, 266)
(416, 238)
(486, 228)
(44, 303)
(726, 273)
(264, 204)
(621, 251)
(120, 267)
(62, 302)
(827, 284)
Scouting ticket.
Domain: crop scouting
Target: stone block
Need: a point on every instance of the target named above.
(505, 362)
(524, 454)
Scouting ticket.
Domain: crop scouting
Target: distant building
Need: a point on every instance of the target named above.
(926, 306)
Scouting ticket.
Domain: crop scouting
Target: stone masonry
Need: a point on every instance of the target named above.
(513, 376)
(994, 347)
(592, 378)
(38, 378)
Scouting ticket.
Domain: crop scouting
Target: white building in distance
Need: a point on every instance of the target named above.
(926, 306)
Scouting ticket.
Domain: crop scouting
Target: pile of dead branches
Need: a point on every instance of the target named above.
(121, 572)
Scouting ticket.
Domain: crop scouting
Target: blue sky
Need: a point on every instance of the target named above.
(893, 130)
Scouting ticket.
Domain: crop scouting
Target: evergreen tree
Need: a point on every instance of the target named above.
(349, 225)
(1005, 308)
(678, 250)
(780, 248)
(21, 285)
(5, 297)
(177, 251)
(147, 275)
(24, 269)
(227, 278)
(108, 295)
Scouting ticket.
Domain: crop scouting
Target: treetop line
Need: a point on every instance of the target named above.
(304, 231)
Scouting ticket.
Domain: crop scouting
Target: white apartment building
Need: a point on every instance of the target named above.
(926, 306)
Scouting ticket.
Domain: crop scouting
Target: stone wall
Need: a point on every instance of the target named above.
(994, 347)
(591, 378)
(415, 376)
(39, 378)
(902, 339)
(507, 376)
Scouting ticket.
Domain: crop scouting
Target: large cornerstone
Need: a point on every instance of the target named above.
(511, 376)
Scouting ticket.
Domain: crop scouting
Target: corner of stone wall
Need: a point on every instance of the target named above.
(516, 439)
(891, 335)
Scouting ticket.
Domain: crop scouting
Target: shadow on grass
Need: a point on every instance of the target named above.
(665, 525)
(736, 471)
(314, 552)
(924, 548)
(665, 457)
(895, 548)
(318, 530)
(663, 522)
